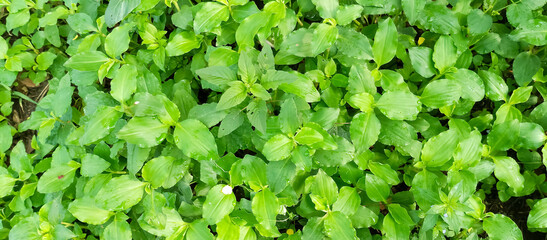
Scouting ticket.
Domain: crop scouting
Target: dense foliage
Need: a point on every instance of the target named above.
(288, 119)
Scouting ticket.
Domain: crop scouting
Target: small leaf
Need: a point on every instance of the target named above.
(444, 53)
(422, 61)
(376, 188)
(508, 171)
(182, 43)
(338, 226)
(399, 105)
(143, 131)
(87, 61)
(210, 16)
(501, 227)
(279, 147)
(525, 66)
(496, 88)
(264, 206)
(233, 96)
(220, 202)
(441, 93)
(364, 130)
(93, 165)
(120, 193)
(117, 10)
(124, 83)
(195, 140)
(385, 42)
(85, 210)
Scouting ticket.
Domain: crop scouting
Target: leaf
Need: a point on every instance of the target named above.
(537, 219)
(444, 54)
(57, 178)
(93, 165)
(230, 123)
(6, 184)
(124, 83)
(163, 171)
(501, 227)
(182, 43)
(364, 130)
(264, 206)
(385, 42)
(249, 27)
(533, 31)
(198, 230)
(143, 131)
(399, 105)
(219, 76)
(376, 188)
(233, 96)
(503, 136)
(117, 41)
(496, 88)
(86, 61)
(413, 9)
(85, 210)
(279, 174)
(400, 215)
(525, 66)
(120, 193)
(288, 117)
(118, 228)
(363, 101)
(422, 61)
(478, 22)
(195, 140)
(220, 202)
(326, 8)
(257, 114)
(324, 36)
(508, 171)
(439, 149)
(337, 225)
(279, 147)
(324, 188)
(210, 16)
(353, 44)
(308, 136)
(117, 10)
(520, 95)
(518, 14)
(253, 171)
(472, 86)
(441, 93)
(348, 201)
(346, 14)
(384, 171)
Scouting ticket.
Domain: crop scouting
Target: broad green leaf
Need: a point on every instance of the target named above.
(143, 131)
(308, 136)
(120, 193)
(376, 188)
(338, 226)
(324, 36)
(518, 14)
(472, 86)
(81, 23)
(85, 210)
(219, 76)
(363, 101)
(86, 61)
(163, 171)
(220, 202)
(496, 88)
(478, 22)
(468, 151)
(346, 14)
(537, 219)
(182, 43)
(210, 16)
(400, 215)
(230, 123)
(124, 83)
(533, 31)
(399, 105)
(232, 96)
(353, 44)
(360, 80)
(413, 9)
(250, 26)
(385, 42)
(6, 184)
(444, 54)
(501, 227)
(441, 93)
(279, 174)
(198, 230)
(253, 172)
(393, 230)
(288, 117)
(508, 171)
(195, 140)
(26, 228)
(525, 66)
(326, 8)
(348, 201)
(118, 229)
(207, 114)
(117, 41)
(57, 178)
(364, 130)
(503, 136)
(531, 136)
(93, 165)
(438, 18)
(363, 218)
(422, 61)
(279, 147)
(324, 188)
(264, 206)
(384, 171)
(520, 95)
(117, 10)
(257, 114)
(313, 229)
(439, 149)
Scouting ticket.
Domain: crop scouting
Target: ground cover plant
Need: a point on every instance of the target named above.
(287, 119)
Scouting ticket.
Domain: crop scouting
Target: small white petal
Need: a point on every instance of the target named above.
(227, 190)
(137, 102)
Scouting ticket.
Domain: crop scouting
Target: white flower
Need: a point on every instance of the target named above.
(227, 190)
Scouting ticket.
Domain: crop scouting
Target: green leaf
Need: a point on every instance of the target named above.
(441, 93)
(346, 43)
(26, 228)
(422, 61)
(289, 120)
(210, 16)
(520, 95)
(250, 26)
(413, 9)
(346, 14)
(219, 76)
(324, 188)
(195, 140)
(253, 171)
(525, 67)
(496, 88)
(208, 114)
(279, 147)
(57, 178)
(507, 170)
(444, 54)
(324, 36)
(117, 41)
(230, 123)
(531, 136)
(478, 22)
(501, 227)
(163, 171)
(326, 8)
(308, 136)
(85, 210)
(120, 193)
(118, 228)
(472, 86)
(264, 206)
(86, 61)
(220, 202)
(384, 171)
(537, 219)
(6, 184)
(363, 101)
(348, 201)
(364, 130)
(338, 226)
(124, 83)
(279, 174)
(439, 149)
(503, 136)
(376, 188)
(93, 165)
(257, 114)
(518, 14)
(385, 42)
(233, 96)
(117, 10)
(399, 105)
(198, 230)
(143, 131)
(533, 31)
(182, 43)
